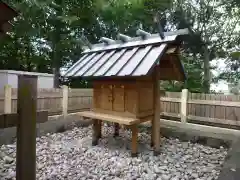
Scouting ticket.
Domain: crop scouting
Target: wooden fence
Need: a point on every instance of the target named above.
(55, 101)
(216, 109)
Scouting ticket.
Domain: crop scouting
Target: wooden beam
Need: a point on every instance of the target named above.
(11, 120)
(1, 121)
(152, 134)
(7, 99)
(134, 129)
(26, 127)
(204, 102)
(110, 118)
(116, 129)
(204, 119)
(99, 128)
(156, 124)
(95, 132)
(184, 107)
(65, 101)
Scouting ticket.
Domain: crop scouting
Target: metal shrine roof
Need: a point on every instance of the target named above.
(127, 57)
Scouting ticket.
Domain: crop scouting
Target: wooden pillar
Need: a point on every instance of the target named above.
(134, 129)
(26, 127)
(156, 119)
(96, 127)
(7, 99)
(116, 129)
(184, 99)
(65, 101)
(152, 134)
(99, 128)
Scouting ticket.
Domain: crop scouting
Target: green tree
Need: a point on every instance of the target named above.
(211, 24)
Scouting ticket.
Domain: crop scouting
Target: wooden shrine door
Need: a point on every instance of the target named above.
(118, 98)
(107, 97)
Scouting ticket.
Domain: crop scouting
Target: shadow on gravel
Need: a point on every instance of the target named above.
(231, 166)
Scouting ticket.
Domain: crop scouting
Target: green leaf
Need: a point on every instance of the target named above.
(236, 54)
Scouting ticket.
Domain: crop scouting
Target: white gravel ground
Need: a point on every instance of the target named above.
(69, 155)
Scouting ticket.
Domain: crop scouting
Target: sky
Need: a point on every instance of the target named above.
(221, 86)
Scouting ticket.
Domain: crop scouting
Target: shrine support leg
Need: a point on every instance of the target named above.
(96, 131)
(156, 119)
(116, 129)
(99, 128)
(156, 136)
(152, 132)
(134, 129)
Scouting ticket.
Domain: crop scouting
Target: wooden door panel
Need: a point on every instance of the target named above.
(96, 95)
(145, 99)
(118, 98)
(131, 100)
(97, 98)
(106, 100)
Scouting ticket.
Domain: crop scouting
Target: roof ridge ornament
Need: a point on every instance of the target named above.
(107, 41)
(123, 37)
(143, 33)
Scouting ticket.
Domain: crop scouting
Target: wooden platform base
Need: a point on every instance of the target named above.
(131, 123)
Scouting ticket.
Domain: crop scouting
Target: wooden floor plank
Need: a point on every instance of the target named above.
(110, 118)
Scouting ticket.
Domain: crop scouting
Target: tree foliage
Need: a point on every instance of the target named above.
(47, 35)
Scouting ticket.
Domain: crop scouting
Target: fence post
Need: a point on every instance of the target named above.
(26, 127)
(65, 101)
(7, 99)
(184, 99)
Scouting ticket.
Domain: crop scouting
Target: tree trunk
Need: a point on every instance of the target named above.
(206, 67)
(57, 59)
(56, 73)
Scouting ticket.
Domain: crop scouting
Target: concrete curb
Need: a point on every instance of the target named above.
(203, 130)
(54, 124)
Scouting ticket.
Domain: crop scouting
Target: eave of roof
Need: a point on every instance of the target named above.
(6, 14)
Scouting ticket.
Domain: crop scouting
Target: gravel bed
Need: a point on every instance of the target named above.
(70, 155)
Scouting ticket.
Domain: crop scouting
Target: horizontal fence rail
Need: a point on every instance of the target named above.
(212, 109)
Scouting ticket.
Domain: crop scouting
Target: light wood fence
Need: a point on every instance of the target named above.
(217, 109)
(211, 109)
(55, 101)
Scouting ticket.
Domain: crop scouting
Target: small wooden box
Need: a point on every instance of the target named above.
(125, 97)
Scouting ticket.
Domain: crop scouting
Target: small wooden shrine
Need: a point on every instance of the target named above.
(125, 75)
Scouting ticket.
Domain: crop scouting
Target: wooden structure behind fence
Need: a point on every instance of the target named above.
(216, 109)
